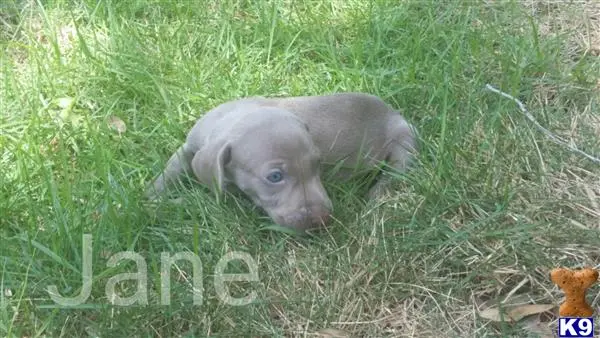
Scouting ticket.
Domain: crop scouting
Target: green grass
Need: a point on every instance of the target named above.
(491, 206)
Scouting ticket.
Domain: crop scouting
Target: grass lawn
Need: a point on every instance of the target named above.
(96, 95)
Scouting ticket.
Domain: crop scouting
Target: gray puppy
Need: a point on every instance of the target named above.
(273, 150)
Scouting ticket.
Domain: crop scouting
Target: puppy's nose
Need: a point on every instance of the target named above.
(304, 219)
(322, 217)
(316, 217)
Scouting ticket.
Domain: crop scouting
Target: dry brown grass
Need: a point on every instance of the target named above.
(578, 21)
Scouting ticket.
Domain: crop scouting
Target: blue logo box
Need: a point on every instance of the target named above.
(570, 327)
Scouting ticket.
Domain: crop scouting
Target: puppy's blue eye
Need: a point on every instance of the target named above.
(275, 177)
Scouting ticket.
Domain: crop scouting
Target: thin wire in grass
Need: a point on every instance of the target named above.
(548, 133)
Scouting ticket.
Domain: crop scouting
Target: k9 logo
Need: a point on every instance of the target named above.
(575, 327)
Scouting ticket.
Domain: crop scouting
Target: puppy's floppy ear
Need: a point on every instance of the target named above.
(209, 164)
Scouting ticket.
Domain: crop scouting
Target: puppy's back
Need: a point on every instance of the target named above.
(345, 126)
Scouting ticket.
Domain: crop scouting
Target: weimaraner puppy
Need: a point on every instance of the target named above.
(273, 150)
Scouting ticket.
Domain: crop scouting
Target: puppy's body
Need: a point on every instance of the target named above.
(358, 129)
(272, 148)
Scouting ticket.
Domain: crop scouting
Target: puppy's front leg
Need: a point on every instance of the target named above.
(178, 164)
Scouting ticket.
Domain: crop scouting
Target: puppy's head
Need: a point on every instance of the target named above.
(271, 157)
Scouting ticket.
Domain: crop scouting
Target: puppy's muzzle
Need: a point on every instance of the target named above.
(308, 218)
